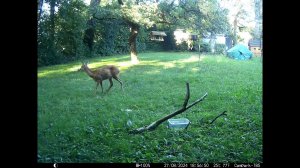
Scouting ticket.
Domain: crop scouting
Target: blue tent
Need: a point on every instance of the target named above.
(239, 52)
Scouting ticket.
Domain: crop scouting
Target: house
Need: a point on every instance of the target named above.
(255, 45)
(157, 35)
(213, 39)
(228, 42)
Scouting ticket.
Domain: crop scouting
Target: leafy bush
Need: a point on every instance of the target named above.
(182, 46)
(220, 48)
(204, 47)
(67, 44)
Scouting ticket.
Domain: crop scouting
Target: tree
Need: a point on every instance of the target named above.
(52, 51)
(197, 17)
(134, 29)
(238, 15)
(118, 26)
(60, 32)
(70, 26)
(258, 18)
(89, 34)
(137, 13)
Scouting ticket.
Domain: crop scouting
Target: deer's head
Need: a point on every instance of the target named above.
(83, 66)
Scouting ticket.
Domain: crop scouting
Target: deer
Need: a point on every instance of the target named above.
(101, 74)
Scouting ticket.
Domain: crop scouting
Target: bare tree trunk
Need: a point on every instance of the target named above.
(257, 8)
(52, 23)
(132, 43)
(51, 51)
(235, 31)
(212, 42)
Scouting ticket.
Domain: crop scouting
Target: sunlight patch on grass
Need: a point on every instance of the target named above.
(195, 69)
(193, 58)
(148, 62)
(74, 68)
(221, 59)
(165, 65)
(125, 65)
(61, 71)
(153, 72)
(168, 65)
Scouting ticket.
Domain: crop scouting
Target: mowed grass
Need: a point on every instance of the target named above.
(75, 125)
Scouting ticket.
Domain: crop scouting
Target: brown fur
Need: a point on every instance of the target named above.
(103, 73)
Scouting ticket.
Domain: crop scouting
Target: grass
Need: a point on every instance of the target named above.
(75, 125)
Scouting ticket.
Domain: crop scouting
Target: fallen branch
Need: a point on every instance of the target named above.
(155, 124)
(218, 117)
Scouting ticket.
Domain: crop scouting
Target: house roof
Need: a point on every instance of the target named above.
(254, 43)
(158, 33)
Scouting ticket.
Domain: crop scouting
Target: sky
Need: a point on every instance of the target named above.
(247, 5)
(87, 1)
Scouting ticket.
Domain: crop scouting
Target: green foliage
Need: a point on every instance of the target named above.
(46, 54)
(220, 48)
(155, 46)
(70, 22)
(110, 27)
(142, 39)
(214, 18)
(70, 26)
(205, 47)
(111, 38)
(169, 41)
(182, 46)
(75, 125)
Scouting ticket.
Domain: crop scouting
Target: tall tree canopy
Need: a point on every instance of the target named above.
(73, 29)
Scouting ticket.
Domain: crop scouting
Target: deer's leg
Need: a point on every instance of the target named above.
(97, 84)
(111, 84)
(101, 86)
(119, 80)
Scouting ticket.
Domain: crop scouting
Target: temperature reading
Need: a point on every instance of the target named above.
(225, 165)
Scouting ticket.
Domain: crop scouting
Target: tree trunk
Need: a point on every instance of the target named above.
(257, 29)
(212, 42)
(89, 33)
(132, 43)
(235, 31)
(52, 24)
(51, 51)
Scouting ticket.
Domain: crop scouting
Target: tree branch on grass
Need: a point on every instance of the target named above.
(155, 124)
(218, 117)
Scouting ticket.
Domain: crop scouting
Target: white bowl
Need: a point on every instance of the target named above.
(178, 123)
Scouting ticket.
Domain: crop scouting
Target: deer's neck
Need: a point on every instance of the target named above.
(89, 72)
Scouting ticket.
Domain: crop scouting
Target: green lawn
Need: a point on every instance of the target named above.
(75, 125)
